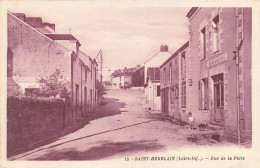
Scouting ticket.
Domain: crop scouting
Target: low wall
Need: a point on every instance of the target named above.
(137, 88)
(33, 119)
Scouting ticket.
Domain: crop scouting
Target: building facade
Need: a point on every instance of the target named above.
(138, 77)
(173, 84)
(123, 78)
(219, 69)
(152, 77)
(152, 88)
(34, 51)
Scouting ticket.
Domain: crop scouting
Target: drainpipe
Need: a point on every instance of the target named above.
(236, 57)
(81, 88)
(72, 83)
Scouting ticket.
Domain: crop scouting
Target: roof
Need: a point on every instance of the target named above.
(20, 15)
(176, 53)
(154, 74)
(130, 69)
(191, 12)
(61, 36)
(32, 28)
(159, 53)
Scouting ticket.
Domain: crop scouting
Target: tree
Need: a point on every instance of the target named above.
(138, 78)
(54, 85)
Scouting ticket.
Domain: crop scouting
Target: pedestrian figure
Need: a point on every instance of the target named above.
(191, 120)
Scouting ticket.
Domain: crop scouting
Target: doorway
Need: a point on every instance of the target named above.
(77, 98)
(219, 98)
(166, 101)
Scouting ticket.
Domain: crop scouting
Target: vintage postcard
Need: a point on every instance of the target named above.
(129, 83)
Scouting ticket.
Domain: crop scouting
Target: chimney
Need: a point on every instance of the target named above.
(164, 48)
(34, 21)
(20, 16)
(50, 25)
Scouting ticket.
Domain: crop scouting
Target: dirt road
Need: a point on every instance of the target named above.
(121, 127)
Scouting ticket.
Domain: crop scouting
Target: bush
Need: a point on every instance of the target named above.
(53, 85)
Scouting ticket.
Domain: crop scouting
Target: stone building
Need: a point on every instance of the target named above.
(35, 51)
(173, 84)
(219, 69)
(153, 86)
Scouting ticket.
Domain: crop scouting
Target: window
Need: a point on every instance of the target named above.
(158, 90)
(77, 95)
(95, 76)
(31, 91)
(91, 95)
(203, 43)
(170, 73)
(203, 91)
(219, 90)
(183, 66)
(86, 75)
(183, 94)
(85, 95)
(172, 95)
(176, 91)
(164, 75)
(215, 34)
(91, 71)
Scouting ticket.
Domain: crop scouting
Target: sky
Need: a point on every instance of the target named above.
(127, 36)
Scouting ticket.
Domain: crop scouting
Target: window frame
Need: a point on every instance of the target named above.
(183, 95)
(215, 34)
(203, 39)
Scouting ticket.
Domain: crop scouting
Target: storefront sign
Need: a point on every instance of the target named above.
(217, 60)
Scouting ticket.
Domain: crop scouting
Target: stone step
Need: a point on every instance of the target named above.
(215, 127)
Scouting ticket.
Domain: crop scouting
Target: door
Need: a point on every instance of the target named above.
(85, 98)
(218, 98)
(77, 98)
(166, 101)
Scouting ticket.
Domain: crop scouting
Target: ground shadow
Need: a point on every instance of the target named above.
(105, 149)
(110, 107)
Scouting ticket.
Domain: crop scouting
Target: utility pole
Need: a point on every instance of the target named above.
(100, 53)
(236, 57)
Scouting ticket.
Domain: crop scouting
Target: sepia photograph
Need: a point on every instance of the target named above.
(112, 82)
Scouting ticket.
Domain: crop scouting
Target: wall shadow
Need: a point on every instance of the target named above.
(105, 149)
(110, 107)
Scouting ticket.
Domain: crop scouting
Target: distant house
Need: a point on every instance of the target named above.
(106, 84)
(35, 51)
(152, 87)
(122, 78)
(138, 77)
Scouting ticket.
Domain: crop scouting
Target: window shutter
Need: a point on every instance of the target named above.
(199, 94)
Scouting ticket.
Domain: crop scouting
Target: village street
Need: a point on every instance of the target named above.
(121, 127)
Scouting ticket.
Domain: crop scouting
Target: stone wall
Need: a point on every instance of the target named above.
(30, 120)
